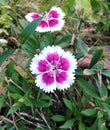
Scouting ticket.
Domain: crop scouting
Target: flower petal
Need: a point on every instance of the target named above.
(63, 64)
(32, 16)
(43, 66)
(56, 25)
(50, 25)
(48, 78)
(34, 64)
(63, 86)
(43, 26)
(72, 61)
(61, 76)
(56, 12)
(47, 88)
(67, 83)
(52, 49)
(53, 58)
(53, 22)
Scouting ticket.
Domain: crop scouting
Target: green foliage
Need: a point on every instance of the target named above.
(5, 18)
(5, 55)
(84, 5)
(58, 118)
(106, 73)
(89, 112)
(88, 88)
(96, 57)
(82, 46)
(29, 30)
(70, 105)
(67, 124)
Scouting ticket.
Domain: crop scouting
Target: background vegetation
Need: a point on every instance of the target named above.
(84, 106)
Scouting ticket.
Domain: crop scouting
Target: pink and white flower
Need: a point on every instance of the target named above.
(52, 21)
(55, 69)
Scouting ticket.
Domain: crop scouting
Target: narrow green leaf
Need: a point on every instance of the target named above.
(3, 127)
(89, 72)
(103, 92)
(79, 71)
(29, 47)
(20, 71)
(82, 46)
(15, 76)
(107, 108)
(58, 118)
(25, 84)
(15, 96)
(100, 120)
(14, 89)
(67, 124)
(106, 73)
(37, 129)
(89, 112)
(10, 69)
(5, 55)
(45, 97)
(64, 39)
(23, 23)
(27, 102)
(42, 104)
(14, 108)
(68, 104)
(88, 88)
(95, 5)
(3, 99)
(29, 30)
(43, 44)
(81, 126)
(96, 57)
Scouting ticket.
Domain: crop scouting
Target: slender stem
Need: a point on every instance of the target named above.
(26, 120)
(16, 85)
(6, 119)
(11, 81)
(44, 119)
(73, 39)
(99, 75)
(29, 116)
(13, 117)
(38, 125)
(98, 108)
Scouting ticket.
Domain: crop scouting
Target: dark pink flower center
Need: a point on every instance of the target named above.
(35, 16)
(43, 66)
(53, 14)
(53, 22)
(48, 78)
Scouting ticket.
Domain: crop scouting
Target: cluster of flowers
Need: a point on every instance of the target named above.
(54, 68)
(52, 21)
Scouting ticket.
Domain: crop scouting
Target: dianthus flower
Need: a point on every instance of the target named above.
(52, 21)
(55, 69)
